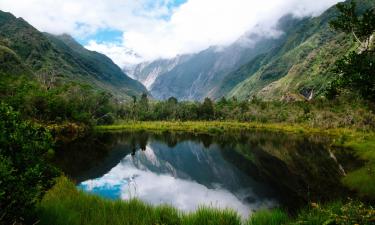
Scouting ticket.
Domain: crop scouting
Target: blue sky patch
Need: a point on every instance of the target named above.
(176, 3)
(115, 36)
(104, 35)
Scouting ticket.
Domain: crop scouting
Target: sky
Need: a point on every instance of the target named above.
(132, 31)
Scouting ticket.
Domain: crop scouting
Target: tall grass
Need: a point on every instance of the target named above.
(64, 204)
(274, 217)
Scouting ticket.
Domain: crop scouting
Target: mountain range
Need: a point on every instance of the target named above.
(26, 51)
(296, 64)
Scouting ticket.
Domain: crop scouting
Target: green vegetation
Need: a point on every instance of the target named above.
(270, 217)
(25, 173)
(304, 64)
(338, 212)
(320, 113)
(64, 204)
(355, 71)
(58, 59)
(69, 102)
(53, 81)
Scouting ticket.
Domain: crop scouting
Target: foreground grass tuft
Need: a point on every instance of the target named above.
(269, 217)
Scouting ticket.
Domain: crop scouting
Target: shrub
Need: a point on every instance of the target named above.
(24, 173)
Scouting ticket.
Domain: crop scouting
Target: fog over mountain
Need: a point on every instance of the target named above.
(152, 29)
(202, 48)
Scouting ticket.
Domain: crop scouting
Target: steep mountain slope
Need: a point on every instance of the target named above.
(147, 72)
(63, 58)
(196, 76)
(10, 63)
(297, 63)
(303, 42)
(301, 66)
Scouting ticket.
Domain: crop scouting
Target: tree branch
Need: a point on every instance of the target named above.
(356, 38)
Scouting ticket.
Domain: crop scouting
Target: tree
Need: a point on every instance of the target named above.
(25, 173)
(144, 101)
(222, 102)
(348, 21)
(172, 100)
(356, 70)
(206, 110)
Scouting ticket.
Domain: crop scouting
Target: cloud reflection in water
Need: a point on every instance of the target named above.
(135, 176)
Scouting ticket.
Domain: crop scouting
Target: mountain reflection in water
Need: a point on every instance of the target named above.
(186, 176)
(245, 171)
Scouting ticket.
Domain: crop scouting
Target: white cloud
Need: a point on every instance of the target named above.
(193, 26)
(119, 53)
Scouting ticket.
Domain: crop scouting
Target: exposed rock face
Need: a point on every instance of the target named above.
(200, 75)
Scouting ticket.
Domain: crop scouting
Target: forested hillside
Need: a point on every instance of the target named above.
(56, 59)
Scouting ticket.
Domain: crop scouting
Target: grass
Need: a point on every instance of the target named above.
(269, 217)
(65, 204)
(212, 127)
(361, 180)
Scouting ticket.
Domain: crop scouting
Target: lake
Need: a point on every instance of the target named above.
(244, 171)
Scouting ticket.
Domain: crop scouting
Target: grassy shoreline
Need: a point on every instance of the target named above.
(65, 204)
(215, 127)
(362, 142)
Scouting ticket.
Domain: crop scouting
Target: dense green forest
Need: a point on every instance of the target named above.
(48, 83)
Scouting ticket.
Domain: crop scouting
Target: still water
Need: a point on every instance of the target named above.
(242, 171)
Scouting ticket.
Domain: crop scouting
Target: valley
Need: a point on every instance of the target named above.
(274, 127)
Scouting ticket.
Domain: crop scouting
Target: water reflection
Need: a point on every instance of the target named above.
(186, 176)
(244, 171)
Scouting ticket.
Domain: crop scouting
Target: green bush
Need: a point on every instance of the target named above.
(24, 172)
(352, 212)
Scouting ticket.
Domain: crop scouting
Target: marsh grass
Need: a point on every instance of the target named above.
(206, 127)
